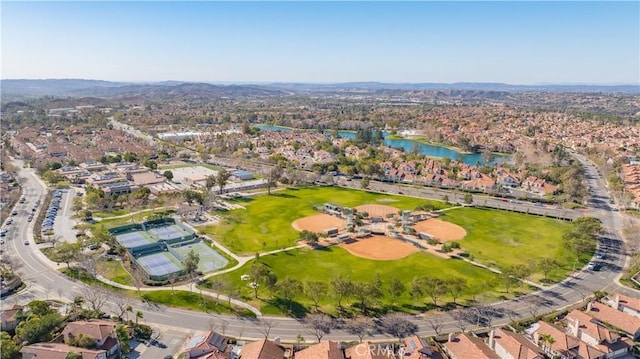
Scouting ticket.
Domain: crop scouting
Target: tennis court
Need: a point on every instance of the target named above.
(134, 239)
(209, 259)
(166, 233)
(160, 264)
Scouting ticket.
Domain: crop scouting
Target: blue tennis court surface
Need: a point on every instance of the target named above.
(133, 239)
(158, 264)
(165, 233)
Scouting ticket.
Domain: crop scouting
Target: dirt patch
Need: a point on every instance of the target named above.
(380, 248)
(318, 223)
(386, 200)
(377, 210)
(441, 230)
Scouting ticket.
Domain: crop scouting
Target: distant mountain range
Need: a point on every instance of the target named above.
(81, 88)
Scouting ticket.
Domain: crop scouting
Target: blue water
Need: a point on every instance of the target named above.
(408, 146)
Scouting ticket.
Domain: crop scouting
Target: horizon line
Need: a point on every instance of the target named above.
(329, 82)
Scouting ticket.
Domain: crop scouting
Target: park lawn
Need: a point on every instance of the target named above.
(115, 271)
(265, 224)
(328, 263)
(193, 301)
(502, 238)
(132, 218)
(111, 213)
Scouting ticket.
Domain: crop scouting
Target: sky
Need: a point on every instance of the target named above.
(323, 42)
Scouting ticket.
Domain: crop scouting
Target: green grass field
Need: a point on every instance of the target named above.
(193, 301)
(326, 264)
(502, 238)
(115, 271)
(265, 224)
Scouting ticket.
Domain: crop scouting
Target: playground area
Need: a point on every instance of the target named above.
(380, 248)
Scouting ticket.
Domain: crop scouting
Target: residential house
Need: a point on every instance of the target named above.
(466, 346)
(103, 331)
(58, 351)
(510, 345)
(539, 186)
(417, 348)
(625, 304)
(629, 324)
(368, 350)
(588, 330)
(263, 349)
(8, 320)
(324, 350)
(556, 342)
(210, 345)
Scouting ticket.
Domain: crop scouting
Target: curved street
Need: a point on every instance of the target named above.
(43, 280)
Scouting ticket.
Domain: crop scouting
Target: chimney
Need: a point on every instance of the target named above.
(616, 304)
(491, 339)
(536, 338)
(574, 327)
(589, 305)
(450, 337)
(276, 340)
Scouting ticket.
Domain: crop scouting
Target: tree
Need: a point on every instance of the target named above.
(139, 315)
(434, 288)
(396, 288)
(273, 177)
(168, 175)
(463, 318)
(65, 252)
(365, 293)
(81, 341)
(222, 177)
(73, 355)
(455, 286)
(315, 290)
(96, 297)
(436, 322)
(468, 198)
(342, 288)
(258, 273)
(309, 236)
(38, 328)
(547, 341)
(190, 262)
(120, 303)
(360, 327)
(546, 265)
(288, 289)
(123, 338)
(398, 325)
(9, 348)
(319, 325)
(364, 183)
(265, 327)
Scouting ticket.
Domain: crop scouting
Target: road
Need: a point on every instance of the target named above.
(44, 281)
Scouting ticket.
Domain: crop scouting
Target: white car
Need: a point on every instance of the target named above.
(26, 242)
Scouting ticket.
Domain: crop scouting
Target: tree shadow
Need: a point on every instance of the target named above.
(291, 308)
(283, 195)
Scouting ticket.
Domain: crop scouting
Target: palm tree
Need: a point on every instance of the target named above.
(547, 340)
(140, 315)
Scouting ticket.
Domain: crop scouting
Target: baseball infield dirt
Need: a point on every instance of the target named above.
(380, 248)
(441, 230)
(318, 223)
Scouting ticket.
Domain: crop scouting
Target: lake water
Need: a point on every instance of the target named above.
(408, 146)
